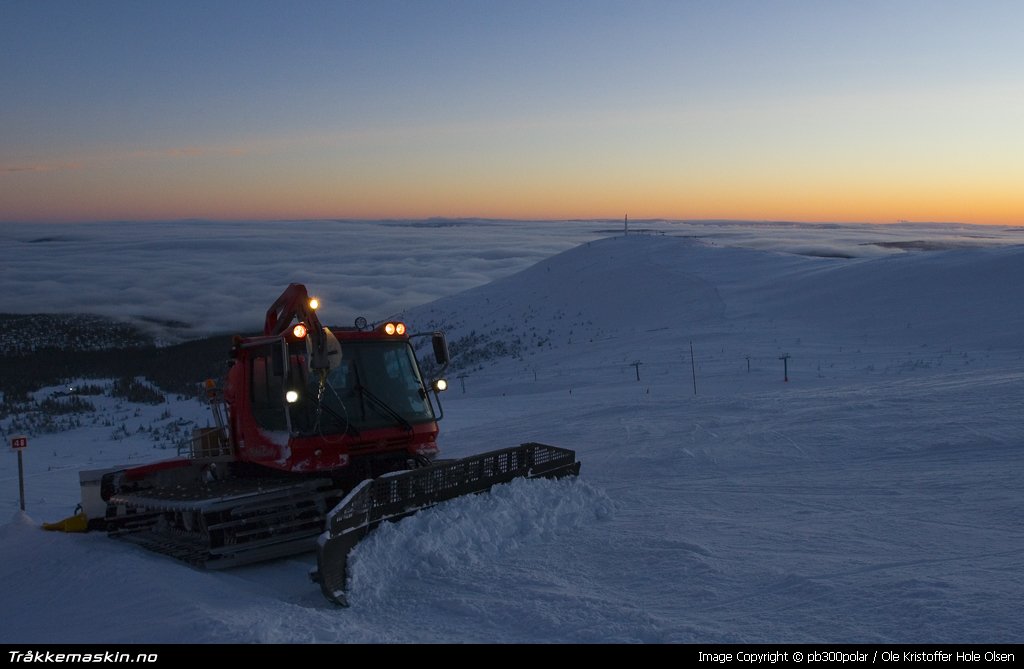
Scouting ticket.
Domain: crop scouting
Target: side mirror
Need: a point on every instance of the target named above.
(440, 348)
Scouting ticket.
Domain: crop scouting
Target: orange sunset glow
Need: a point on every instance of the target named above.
(793, 111)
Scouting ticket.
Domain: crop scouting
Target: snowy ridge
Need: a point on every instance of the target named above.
(621, 285)
(587, 294)
(586, 316)
(963, 297)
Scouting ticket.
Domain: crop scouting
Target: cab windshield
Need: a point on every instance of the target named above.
(377, 384)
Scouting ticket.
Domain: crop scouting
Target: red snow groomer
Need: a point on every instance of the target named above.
(321, 434)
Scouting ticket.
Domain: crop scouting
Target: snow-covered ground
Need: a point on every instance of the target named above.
(875, 496)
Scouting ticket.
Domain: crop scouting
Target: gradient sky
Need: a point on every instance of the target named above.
(809, 111)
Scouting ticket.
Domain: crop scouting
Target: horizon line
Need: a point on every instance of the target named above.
(392, 219)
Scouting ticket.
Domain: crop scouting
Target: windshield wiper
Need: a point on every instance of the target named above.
(383, 406)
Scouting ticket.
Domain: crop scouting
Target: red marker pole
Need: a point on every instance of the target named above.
(21, 481)
(19, 444)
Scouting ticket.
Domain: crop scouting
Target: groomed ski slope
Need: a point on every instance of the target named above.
(875, 496)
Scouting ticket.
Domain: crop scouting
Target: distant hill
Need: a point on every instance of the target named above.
(25, 333)
(37, 350)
